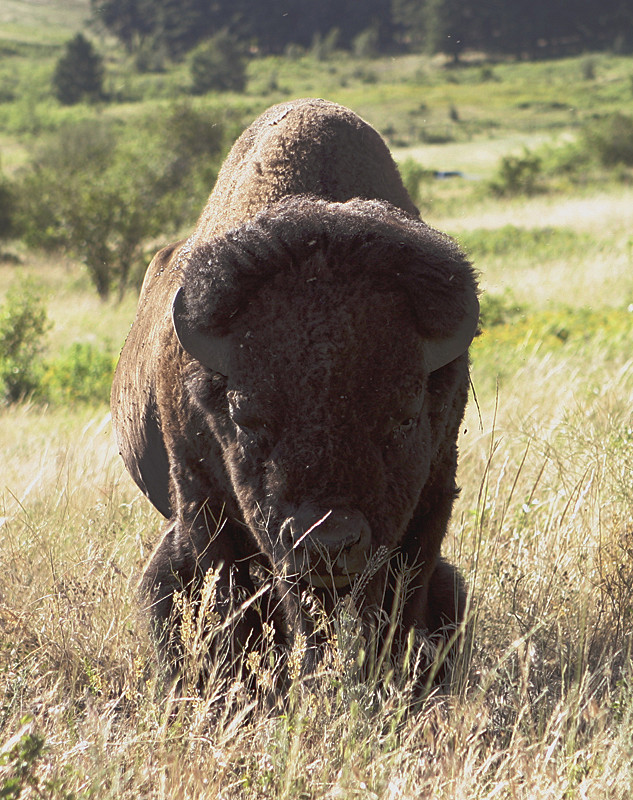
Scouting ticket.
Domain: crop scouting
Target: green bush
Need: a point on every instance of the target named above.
(324, 47)
(571, 160)
(498, 309)
(218, 65)
(79, 73)
(23, 323)
(100, 195)
(611, 140)
(19, 764)
(588, 68)
(517, 175)
(151, 56)
(366, 44)
(415, 176)
(81, 374)
(602, 143)
(7, 209)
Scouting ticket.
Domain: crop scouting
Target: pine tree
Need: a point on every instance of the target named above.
(218, 64)
(79, 73)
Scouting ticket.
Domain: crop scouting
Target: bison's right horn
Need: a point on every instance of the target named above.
(440, 352)
(212, 351)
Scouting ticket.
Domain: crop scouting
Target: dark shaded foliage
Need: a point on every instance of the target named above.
(526, 28)
(79, 73)
(611, 139)
(218, 64)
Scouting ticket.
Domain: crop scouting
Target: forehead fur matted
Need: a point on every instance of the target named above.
(300, 234)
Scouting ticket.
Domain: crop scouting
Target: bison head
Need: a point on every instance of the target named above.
(328, 343)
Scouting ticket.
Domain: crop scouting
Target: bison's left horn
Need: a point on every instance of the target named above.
(212, 351)
(440, 352)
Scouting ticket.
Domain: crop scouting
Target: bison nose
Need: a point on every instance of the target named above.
(332, 542)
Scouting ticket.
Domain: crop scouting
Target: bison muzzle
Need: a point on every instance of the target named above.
(291, 390)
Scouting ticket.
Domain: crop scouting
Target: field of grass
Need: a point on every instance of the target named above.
(543, 532)
(542, 700)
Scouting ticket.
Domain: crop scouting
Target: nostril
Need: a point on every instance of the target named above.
(331, 531)
(298, 530)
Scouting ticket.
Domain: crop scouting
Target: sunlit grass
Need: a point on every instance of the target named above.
(594, 270)
(41, 22)
(543, 531)
(541, 705)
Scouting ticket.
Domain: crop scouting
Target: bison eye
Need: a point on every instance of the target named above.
(406, 425)
(407, 418)
(399, 432)
(401, 426)
(248, 423)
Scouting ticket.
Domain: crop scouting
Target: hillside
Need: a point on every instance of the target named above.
(40, 22)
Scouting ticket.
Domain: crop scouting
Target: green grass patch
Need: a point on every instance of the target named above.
(507, 324)
(539, 243)
(411, 99)
(80, 374)
(513, 335)
(41, 23)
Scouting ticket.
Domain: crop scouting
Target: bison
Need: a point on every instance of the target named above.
(290, 393)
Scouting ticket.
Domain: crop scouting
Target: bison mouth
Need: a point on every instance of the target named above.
(325, 570)
(326, 550)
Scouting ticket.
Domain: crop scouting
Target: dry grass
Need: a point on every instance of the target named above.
(543, 531)
(601, 276)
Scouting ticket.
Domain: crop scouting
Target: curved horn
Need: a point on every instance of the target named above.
(212, 351)
(440, 352)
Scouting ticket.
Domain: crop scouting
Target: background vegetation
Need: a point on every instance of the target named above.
(519, 27)
(529, 165)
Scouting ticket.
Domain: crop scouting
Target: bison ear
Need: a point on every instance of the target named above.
(212, 351)
(440, 352)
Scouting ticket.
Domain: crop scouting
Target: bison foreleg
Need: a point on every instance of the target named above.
(186, 569)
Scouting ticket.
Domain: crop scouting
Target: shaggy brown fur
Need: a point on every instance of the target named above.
(304, 413)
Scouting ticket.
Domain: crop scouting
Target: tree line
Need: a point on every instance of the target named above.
(522, 28)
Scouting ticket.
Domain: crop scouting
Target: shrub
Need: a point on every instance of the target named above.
(7, 209)
(365, 75)
(324, 47)
(414, 175)
(81, 374)
(517, 175)
(570, 160)
(611, 139)
(19, 763)
(23, 323)
(79, 73)
(218, 65)
(151, 56)
(366, 43)
(487, 74)
(101, 222)
(147, 187)
(498, 309)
